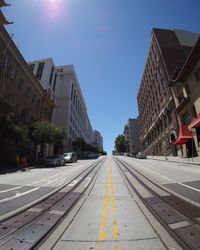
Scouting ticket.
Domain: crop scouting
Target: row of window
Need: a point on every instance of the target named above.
(164, 122)
(40, 71)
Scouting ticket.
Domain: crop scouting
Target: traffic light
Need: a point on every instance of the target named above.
(3, 20)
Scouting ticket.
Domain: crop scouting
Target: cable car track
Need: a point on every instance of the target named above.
(28, 228)
(179, 217)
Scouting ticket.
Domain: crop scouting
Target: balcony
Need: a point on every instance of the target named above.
(183, 101)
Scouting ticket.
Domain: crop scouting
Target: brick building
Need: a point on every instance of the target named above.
(20, 91)
(186, 92)
(168, 52)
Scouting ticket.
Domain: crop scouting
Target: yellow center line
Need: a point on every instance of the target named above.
(102, 231)
(107, 199)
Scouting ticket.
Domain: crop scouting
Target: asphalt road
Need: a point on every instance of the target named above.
(183, 179)
(20, 188)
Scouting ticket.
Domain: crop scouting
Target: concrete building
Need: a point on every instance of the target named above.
(186, 92)
(132, 135)
(97, 140)
(20, 91)
(168, 52)
(61, 83)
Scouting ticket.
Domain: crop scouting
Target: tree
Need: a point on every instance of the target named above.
(13, 131)
(120, 143)
(45, 132)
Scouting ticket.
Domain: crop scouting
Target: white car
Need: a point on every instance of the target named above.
(141, 155)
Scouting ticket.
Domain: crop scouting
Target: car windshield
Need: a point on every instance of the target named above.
(68, 154)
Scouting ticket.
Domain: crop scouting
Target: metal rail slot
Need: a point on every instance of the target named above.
(177, 216)
(28, 228)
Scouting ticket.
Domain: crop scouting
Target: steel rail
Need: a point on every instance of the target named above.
(28, 228)
(180, 218)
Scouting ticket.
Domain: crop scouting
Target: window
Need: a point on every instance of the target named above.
(32, 66)
(54, 82)
(197, 75)
(34, 98)
(20, 84)
(198, 135)
(51, 75)
(38, 103)
(40, 70)
(186, 118)
(28, 92)
(72, 91)
(23, 114)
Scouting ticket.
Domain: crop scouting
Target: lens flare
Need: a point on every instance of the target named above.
(54, 9)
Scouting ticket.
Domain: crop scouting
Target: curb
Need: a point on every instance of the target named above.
(189, 163)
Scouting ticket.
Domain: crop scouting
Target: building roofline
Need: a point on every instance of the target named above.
(189, 63)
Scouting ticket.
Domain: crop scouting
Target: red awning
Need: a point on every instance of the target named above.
(195, 121)
(184, 135)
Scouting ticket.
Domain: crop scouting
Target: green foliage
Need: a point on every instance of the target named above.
(81, 145)
(121, 144)
(13, 131)
(45, 132)
(59, 135)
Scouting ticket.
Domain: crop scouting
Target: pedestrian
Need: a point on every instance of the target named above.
(23, 163)
(17, 160)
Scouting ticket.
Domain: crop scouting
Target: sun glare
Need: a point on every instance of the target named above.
(53, 10)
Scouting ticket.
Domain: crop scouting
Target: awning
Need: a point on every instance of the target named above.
(184, 135)
(195, 121)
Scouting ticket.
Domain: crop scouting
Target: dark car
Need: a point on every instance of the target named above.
(55, 160)
(70, 157)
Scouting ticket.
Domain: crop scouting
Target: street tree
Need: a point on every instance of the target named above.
(121, 144)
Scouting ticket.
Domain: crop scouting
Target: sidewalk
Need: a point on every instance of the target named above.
(194, 160)
(9, 169)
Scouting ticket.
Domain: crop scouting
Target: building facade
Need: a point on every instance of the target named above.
(20, 92)
(132, 135)
(97, 140)
(61, 84)
(186, 92)
(168, 52)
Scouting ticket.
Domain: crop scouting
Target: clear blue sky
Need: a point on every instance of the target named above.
(106, 40)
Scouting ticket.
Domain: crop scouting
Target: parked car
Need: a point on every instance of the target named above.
(55, 160)
(141, 155)
(70, 157)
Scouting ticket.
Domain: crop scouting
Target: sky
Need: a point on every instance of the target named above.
(107, 41)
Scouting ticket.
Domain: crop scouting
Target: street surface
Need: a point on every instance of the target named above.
(21, 188)
(109, 215)
(183, 179)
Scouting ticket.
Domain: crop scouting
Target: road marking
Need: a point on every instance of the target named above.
(107, 200)
(18, 194)
(10, 189)
(102, 230)
(195, 189)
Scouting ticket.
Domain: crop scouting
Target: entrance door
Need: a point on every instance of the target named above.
(191, 149)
